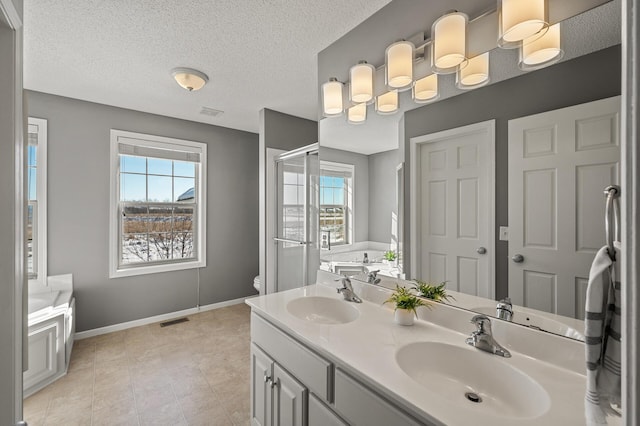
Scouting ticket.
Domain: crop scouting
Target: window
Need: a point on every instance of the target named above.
(158, 188)
(336, 203)
(37, 200)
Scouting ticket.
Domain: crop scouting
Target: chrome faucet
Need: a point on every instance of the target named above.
(372, 277)
(504, 309)
(347, 291)
(483, 339)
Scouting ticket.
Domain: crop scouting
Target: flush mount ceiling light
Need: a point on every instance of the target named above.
(361, 77)
(399, 65)
(475, 74)
(357, 114)
(387, 103)
(449, 43)
(541, 51)
(332, 105)
(426, 89)
(189, 78)
(519, 20)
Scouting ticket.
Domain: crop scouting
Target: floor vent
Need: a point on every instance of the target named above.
(173, 322)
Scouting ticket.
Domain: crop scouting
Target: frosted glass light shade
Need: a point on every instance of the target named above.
(519, 20)
(189, 78)
(361, 77)
(332, 104)
(357, 114)
(449, 43)
(541, 51)
(426, 89)
(387, 103)
(475, 74)
(399, 65)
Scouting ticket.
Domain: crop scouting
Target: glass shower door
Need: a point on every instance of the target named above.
(297, 253)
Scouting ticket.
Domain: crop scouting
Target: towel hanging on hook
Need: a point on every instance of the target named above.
(612, 214)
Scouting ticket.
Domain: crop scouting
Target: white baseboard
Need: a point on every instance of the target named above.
(150, 320)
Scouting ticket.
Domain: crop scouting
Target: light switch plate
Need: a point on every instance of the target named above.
(504, 233)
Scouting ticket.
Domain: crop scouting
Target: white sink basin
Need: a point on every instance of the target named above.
(323, 310)
(454, 372)
(536, 321)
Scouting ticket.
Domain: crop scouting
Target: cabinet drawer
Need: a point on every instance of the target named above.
(361, 406)
(313, 371)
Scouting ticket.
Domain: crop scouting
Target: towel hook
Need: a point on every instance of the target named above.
(612, 213)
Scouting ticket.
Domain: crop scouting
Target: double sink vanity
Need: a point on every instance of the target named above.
(318, 359)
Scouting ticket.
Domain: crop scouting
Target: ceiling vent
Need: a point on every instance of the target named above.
(211, 112)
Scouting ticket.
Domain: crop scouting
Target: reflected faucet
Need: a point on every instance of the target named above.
(347, 290)
(365, 259)
(483, 339)
(372, 277)
(504, 309)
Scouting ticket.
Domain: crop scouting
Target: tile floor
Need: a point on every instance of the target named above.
(193, 373)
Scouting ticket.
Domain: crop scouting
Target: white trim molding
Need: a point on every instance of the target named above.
(157, 318)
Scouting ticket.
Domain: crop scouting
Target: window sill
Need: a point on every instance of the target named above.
(155, 269)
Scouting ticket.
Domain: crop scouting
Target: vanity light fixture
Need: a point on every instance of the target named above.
(387, 103)
(519, 20)
(189, 79)
(475, 74)
(357, 114)
(361, 78)
(399, 65)
(541, 51)
(426, 89)
(332, 105)
(449, 43)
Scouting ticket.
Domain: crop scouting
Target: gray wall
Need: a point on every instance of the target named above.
(284, 131)
(382, 194)
(361, 187)
(580, 80)
(78, 212)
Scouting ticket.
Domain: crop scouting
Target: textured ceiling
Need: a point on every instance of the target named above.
(257, 54)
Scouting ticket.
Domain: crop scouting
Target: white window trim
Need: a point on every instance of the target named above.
(114, 178)
(41, 195)
(351, 198)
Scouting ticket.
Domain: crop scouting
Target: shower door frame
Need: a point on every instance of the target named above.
(306, 152)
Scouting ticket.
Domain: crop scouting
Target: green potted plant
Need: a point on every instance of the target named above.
(405, 305)
(435, 292)
(390, 255)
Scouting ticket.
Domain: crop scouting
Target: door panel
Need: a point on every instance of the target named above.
(261, 374)
(290, 399)
(559, 164)
(454, 187)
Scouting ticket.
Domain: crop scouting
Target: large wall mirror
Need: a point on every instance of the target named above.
(398, 189)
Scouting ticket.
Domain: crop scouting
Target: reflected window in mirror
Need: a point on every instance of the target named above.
(336, 203)
(36, 200)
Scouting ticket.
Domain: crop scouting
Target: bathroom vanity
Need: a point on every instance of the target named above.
(319, 360)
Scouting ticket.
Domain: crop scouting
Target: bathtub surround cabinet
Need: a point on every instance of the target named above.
(51, 332)
(78, 212)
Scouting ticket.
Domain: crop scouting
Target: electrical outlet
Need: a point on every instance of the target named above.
(504, 233)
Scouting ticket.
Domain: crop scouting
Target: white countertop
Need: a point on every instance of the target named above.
(367, 348)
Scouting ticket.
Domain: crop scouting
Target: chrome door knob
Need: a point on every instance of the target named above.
(518, 258)
(481, 250)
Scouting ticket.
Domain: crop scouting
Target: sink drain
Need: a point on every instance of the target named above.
(473, 397)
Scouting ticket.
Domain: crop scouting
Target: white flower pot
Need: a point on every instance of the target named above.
(404, 317)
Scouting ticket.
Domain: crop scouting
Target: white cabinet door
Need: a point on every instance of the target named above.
(321, 415)
(452, 208)
(559, 164)
(46, 354)
(290, 399)
(261, 379)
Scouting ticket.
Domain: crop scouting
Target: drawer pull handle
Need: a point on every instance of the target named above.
(275, 383)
